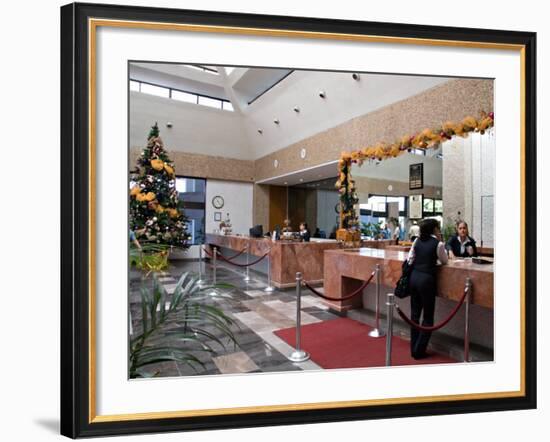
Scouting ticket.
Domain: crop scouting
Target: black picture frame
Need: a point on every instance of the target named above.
(416, 176)
(78, 418)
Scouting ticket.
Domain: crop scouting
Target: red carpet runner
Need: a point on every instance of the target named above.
(345, 343)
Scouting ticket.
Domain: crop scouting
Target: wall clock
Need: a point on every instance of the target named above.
(218, 202)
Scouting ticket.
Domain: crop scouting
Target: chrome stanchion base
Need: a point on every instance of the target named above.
(377, 333)
(299, 356)
(269, 289)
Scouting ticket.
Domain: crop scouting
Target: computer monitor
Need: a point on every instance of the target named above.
(257, 231)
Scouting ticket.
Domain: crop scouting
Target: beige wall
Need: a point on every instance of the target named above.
(452, 101)
(205, 166)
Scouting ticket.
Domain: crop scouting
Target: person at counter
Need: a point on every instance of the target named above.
(286, 226)
(461, 245)
(426, 250)
(305, 234)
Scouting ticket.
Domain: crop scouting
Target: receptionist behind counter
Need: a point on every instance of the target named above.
(305, 234)
(461, 245)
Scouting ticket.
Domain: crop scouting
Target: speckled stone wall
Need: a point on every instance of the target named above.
(367, 185)
(453, 101)
(205, 166)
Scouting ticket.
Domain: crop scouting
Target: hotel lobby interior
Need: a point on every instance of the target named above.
(292, 199)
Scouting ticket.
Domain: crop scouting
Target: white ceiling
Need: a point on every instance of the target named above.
(345, 99)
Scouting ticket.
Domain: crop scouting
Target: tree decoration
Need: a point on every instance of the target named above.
(426, 139)
(156, 213)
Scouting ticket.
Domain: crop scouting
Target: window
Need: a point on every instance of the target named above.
(184, 96)
(192, 191)
(151, 89)
(428, 205)
(432, 207)
(175, 94)
(210, 102)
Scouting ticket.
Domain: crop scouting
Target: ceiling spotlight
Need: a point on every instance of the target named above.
(169, 125)
(260, 131)
(276, 121)
(296, 109)
(355, 76)
(301, 180)
(286, 183)
(322, 94)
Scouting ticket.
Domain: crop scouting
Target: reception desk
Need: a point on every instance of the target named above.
(346, 269)
(285, 257)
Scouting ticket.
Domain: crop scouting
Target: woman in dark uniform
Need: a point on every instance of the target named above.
(305, 235)
(462, 245)
(425, 252)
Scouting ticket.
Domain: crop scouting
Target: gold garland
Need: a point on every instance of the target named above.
(426, 139)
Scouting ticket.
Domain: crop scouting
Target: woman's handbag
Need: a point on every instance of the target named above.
(402, 286)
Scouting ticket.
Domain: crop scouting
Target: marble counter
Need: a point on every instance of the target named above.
(377, 243)
(286, 257)
(345, 270)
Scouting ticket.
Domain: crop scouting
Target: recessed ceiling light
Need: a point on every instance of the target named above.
(276, 121)
(296, 109)
(301, 180)
(286, 183)
(260, 131)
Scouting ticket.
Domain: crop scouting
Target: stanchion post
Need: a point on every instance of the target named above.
(269, 288)
(298, 355)
(200, 281)
(389, 332)
(377, 332)
(247, 274)
(468, 289)
(215, 264)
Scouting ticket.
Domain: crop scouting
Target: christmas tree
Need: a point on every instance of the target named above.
(156, 213)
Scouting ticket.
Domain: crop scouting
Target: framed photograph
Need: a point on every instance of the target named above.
(416, 176)
(288, 117)
(415, 206)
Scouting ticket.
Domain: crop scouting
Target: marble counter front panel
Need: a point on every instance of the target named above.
(286, 258)
(346, 269)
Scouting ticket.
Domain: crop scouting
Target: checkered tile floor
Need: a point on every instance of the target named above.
(257, 315)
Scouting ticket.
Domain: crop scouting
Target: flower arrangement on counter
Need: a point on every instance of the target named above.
(426, 139)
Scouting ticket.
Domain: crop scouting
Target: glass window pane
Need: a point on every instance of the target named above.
(378, 203)
(397, 199)
(428, 205)
(184, 96)
(155, 90)
(439, 206)
(192, 192)
(181, 185)
(205, 101)
(227, 106)
(134, 85)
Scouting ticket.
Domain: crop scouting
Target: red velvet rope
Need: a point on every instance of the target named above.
(437, 326)
(351, 295)
(243, 265)
(234, 256)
